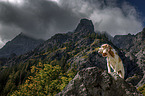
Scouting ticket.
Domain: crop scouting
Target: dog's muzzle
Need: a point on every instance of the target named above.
(100, 51)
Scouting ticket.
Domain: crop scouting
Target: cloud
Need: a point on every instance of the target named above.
(38, 18)
(44, 18)
(112, 16)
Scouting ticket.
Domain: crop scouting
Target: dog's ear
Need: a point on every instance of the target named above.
(110, 51)
(110, 47)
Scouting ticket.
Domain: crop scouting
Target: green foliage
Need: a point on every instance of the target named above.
(142, 89)
(48, 80)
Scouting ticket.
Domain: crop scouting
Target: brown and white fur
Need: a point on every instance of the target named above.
(113, 59)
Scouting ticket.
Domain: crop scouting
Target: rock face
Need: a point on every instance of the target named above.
(123, 41)
(84, 28)
(134, 48)
(93, 81)
(132, 43)
(19, 45)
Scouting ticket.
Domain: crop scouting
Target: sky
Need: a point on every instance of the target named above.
(43, 18)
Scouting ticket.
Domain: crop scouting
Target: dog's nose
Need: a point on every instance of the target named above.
(99, 50)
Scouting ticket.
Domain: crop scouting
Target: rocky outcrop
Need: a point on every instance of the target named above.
(85, 25)
(93, 81)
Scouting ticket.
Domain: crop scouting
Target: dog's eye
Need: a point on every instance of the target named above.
(104, 46)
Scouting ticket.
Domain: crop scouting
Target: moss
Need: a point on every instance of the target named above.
(64, 48)
(45, 53)
(96, 41)
(142, 89)
(85, 56)
(95, 50)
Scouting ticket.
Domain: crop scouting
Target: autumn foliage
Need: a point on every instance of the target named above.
(47, 80)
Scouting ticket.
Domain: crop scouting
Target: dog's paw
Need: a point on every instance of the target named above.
(109, 72)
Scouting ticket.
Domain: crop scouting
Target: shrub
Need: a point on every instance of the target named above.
(48, 80)
(142, 89)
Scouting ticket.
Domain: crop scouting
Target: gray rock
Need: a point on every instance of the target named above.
(85, 25)
(93, 81)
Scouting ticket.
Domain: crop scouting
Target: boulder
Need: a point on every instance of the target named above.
(94, 81)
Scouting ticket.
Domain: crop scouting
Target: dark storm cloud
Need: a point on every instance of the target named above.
(44, 18)
(113, 16)
(38, 18)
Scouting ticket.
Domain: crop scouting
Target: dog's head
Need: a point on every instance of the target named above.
(105, 50)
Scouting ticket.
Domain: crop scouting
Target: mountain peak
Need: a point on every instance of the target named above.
(21, 33)
(85, 25)
(24, 36)
(19, 45)
(141, 35)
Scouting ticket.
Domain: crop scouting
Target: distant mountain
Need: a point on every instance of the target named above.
(19, 45)
(130, 42)
(75, 51)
